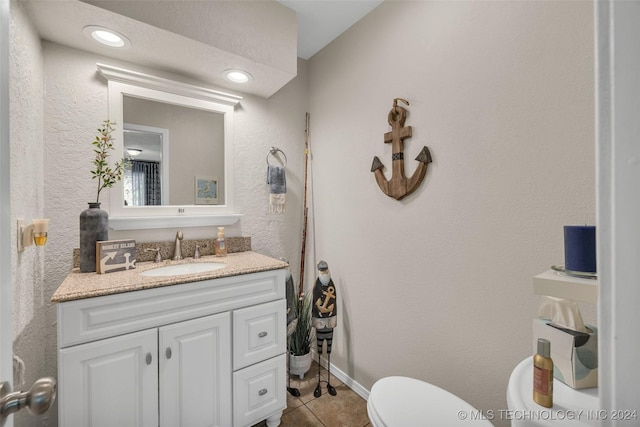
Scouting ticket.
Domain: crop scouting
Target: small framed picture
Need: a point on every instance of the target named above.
(206, 190)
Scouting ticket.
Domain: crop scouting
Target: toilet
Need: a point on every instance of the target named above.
(402, 402)
(570, 407)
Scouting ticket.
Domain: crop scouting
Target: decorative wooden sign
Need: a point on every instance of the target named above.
(115, 255)
(399, 186)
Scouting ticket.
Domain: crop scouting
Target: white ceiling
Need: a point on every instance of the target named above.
(321, 21)
(201, 39)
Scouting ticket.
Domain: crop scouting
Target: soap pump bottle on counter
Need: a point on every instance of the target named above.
(220, 247)
(543, 374)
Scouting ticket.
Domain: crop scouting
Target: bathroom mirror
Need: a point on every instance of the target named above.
(146, 151)
(167, 146)
(193, 131)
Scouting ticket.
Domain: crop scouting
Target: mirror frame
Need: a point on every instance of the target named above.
(123, 82)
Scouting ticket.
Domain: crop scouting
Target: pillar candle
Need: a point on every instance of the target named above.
(580, 248)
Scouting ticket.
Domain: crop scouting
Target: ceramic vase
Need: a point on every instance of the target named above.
(94, 227)
(299, 365)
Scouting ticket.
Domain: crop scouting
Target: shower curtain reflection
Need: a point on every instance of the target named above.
(142, 184)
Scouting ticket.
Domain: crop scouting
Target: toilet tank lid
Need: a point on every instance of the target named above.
(403, 401)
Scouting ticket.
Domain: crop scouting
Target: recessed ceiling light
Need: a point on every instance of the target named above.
(106, 36)
(133, 152)
(237, 76)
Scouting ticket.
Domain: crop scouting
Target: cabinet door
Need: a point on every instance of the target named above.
(195, 372)
(112, 382)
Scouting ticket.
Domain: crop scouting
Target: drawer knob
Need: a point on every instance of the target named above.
(262, 334)
(148, 359)
(167, 352)
(262, 392)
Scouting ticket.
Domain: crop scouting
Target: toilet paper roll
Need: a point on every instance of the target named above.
(562, 312)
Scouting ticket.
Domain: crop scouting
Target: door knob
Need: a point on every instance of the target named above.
(37, 399)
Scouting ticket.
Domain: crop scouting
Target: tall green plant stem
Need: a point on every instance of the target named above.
(103, 173)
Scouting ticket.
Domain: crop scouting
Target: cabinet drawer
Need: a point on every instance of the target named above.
(259, 391)
(259, 333)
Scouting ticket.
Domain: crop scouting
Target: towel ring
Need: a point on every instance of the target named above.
(273, 152)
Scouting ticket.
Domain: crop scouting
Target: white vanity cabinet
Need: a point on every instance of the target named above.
(207, 353)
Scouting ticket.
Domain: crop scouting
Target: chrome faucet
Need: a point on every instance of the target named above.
(177, 254)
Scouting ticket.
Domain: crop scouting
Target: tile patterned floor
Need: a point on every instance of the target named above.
(346, 409)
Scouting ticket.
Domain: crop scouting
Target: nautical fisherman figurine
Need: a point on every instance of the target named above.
(292, 319)
(324, 318)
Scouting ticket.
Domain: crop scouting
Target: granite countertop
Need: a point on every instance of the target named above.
(79, 285)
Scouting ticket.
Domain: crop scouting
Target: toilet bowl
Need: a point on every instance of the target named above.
(402, 402)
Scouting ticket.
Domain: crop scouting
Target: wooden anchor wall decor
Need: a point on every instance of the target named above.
(399, 185)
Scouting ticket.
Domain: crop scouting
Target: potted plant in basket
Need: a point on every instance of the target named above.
(94, 222)
(301, 338)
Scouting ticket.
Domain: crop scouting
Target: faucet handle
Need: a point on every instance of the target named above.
(157, 251)
(196, 254)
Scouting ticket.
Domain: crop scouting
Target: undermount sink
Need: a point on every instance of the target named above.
(182, 269)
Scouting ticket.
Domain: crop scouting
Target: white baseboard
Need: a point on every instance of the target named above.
(346, 379)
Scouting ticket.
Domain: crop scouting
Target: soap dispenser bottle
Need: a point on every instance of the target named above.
(220, 247)
(543, 374)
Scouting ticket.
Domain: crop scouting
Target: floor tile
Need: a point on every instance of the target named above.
(292, 403)
(300, 417)
(346, 409)
(308, 384)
